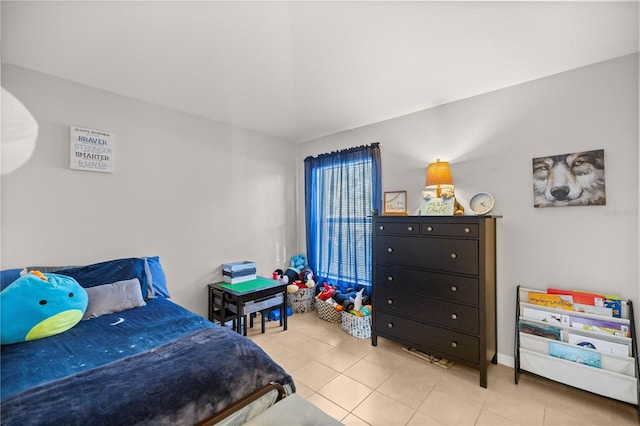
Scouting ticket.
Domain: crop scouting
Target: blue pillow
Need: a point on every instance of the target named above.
(146, 269)
(159, 280)
(8, 276)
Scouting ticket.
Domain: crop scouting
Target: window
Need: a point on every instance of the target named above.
(341, 190)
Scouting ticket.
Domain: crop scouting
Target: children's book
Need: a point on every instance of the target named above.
(592, 299)
(600, 326)
(575, 354)
(546, 316)
(600, 345)
(540, 330)
(597, 310)
(551, 300)
(611, 301)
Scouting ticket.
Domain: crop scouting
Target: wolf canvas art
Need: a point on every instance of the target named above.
(575, 179)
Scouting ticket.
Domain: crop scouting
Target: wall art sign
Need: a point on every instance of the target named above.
(437, 206)
(575, 179)
(91, 150)
(395, 203)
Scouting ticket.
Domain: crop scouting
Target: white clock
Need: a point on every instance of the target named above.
(481, 203)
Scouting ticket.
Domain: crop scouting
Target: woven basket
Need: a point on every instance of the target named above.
(302, 300)
(356, 326)
(327, 312)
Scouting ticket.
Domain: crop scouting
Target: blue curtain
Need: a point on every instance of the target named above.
(342, 189)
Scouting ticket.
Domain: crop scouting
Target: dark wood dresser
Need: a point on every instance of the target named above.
(434, 286)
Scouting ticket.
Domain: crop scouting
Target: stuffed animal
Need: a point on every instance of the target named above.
(326, 292)
(357, 300)
(40, 305)
(278, 274)
(290, 276)
(299, 262)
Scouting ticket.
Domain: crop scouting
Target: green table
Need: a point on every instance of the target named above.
(246, 298)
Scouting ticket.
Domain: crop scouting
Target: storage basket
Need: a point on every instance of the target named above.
(327, 312)
(356, 326)
(302, 300)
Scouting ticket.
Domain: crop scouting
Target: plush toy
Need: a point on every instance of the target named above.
(306, 276)
(290, 276)
(299, 262)
(357, 300)
(39, 305)
(326, 292)
(278, 274)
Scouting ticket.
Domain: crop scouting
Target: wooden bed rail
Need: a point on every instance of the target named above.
(224, 413)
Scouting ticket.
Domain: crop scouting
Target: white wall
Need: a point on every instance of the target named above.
(490, 141)
(195, 192)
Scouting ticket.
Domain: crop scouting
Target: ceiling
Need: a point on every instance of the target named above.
(302, 70)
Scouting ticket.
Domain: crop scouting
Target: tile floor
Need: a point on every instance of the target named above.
(360, 384)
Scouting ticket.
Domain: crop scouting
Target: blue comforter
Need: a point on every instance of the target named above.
(158, 364)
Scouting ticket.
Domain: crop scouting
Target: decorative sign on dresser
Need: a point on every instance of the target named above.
(434, 286)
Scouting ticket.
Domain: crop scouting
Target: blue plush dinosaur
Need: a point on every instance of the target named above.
(39, 305)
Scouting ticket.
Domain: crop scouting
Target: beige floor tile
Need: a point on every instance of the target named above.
(314, 375)
(291, 339)
(449, 409)
(421, 419)
(389, 357)
(313, 349)
(369, 373)
(379, 409)
(345, 392)
(303, 391)
(405, 390)
(355, 346)
(327, 406)
(290, 360)
(553, 417)
(352, 420)
(487, 418)
(519, 410)
(422, 371)
(338, 360)
(464, 387)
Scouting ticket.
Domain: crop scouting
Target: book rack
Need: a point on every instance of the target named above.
(602, 363)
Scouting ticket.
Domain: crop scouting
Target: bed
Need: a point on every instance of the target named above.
(155, 364)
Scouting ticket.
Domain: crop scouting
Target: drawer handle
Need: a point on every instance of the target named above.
(454, 317)
(389, 278)
(454, 344)
(390, 250)
(410, 228)
(429, 228)
(390, 301)
(381, 228)
(454, 288)
(467, 230)
(390, 325)
(453, 255)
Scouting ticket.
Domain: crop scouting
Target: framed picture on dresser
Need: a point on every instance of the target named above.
(395, 203)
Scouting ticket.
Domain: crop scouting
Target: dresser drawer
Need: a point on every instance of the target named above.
(429, 284)
(449, 255)
(457, 317)
(450, 229)
(425, 337)
(383, 228)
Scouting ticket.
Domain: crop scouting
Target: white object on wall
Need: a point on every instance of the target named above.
(91, 150)
(19, 133)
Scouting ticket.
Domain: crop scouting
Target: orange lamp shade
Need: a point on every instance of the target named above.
(438, 173)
